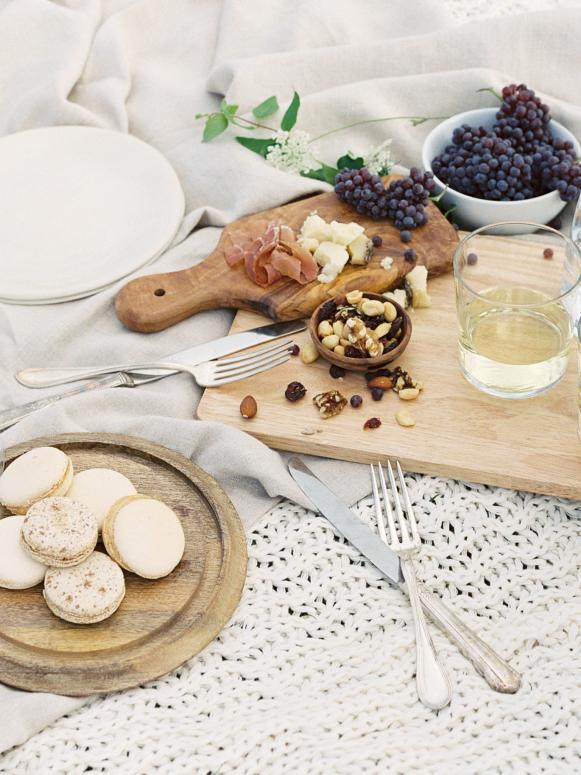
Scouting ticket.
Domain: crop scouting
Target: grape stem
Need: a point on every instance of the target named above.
(236, 117)
(416, 121)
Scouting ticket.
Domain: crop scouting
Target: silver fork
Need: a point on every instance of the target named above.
(211, 374)
(433, 685)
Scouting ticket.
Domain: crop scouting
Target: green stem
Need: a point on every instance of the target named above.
(414, 119)
(492, 91)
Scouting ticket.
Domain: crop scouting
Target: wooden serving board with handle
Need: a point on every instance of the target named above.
(157, 301)
(160, 624)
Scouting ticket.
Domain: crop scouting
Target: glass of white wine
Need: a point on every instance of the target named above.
(518, 299)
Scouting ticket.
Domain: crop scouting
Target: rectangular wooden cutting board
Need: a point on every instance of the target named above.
(461, 433)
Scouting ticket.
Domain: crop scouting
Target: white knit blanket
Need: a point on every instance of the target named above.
(314, 675)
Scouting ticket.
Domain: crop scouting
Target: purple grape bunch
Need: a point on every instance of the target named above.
(517, 159)
(403, 201)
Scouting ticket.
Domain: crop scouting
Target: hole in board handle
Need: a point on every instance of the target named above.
(159, 292)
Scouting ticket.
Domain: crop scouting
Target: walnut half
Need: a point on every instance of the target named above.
(330, 403)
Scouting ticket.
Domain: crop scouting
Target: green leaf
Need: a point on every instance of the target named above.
(228, 110)
(266, 108)
(290, 117)
(215, 125)
(351, 162)
(324, 172)
(257, 145)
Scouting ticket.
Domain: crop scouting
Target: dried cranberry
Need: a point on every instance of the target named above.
(395, 326)
(369, 375)
(548, 253)
(373, 422)
(377, 393)
(328, 310)
(377, 241)
(356, 401)
(337, 371)
(295, 349)
(353, 352)
(295, 391)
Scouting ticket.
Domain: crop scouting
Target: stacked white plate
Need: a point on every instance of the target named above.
(80, 208)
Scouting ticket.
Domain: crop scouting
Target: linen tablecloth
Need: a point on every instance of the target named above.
(147, 67)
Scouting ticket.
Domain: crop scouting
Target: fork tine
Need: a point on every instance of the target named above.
(249, 356)
(408, 505)
(400, 515)
(241, 368)
(244, 374)
(389, 512)
(378, 510)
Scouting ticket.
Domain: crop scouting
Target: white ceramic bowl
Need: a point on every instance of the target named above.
(472, 213)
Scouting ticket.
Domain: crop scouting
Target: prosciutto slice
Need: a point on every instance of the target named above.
(269, 251)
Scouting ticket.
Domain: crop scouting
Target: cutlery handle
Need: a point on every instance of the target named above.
(499, 675)
(11, 416)
(433, 684)
(43, 378)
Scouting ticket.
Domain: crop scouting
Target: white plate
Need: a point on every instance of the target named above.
(80, 208)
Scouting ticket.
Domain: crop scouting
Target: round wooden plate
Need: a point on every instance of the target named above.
(160, 624)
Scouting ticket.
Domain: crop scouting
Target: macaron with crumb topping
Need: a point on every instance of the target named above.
(86, 593)
(59, 532)
(39, 473)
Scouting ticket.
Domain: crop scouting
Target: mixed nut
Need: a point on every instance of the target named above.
(360, 327)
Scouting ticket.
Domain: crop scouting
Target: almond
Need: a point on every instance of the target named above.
(384, 383)
(248, 407)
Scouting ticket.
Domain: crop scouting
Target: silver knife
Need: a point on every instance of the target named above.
(495, 670)
(199, 353)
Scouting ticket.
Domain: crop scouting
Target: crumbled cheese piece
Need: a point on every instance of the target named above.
(386, 263)
(399, 296)
(309, 243)
(315, 227)
(360, 250)
(344, 233)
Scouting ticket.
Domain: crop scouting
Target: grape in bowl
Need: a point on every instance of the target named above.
(473, 212)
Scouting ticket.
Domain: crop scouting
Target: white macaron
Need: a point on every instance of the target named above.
(39, 473)
(144, 536)
(99, 489)
(17, 569)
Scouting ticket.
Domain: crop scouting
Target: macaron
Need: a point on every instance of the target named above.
(39, 473)
(86, 593)
(17, 569)
(144, 536)
(59, 532)
(99, 489)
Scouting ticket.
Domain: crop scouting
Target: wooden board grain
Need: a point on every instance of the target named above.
(160, 624)
(156, 301)
(527, 444)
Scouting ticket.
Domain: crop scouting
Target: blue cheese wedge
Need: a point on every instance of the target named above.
(360, 250)
(416, 283)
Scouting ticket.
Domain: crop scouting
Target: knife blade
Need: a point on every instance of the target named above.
(192, 356)
(343, 519)
(499, 675)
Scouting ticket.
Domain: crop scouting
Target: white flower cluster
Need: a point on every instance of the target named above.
(379, 161)
(291, 152)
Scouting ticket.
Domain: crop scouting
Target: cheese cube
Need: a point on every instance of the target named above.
(309, 243)
(417, 284)
(329, 252)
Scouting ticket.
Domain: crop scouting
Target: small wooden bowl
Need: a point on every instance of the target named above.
(361, 364)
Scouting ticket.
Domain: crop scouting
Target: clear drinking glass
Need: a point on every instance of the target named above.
(518, 300)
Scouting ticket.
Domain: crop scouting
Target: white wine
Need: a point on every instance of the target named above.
(514, 350)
